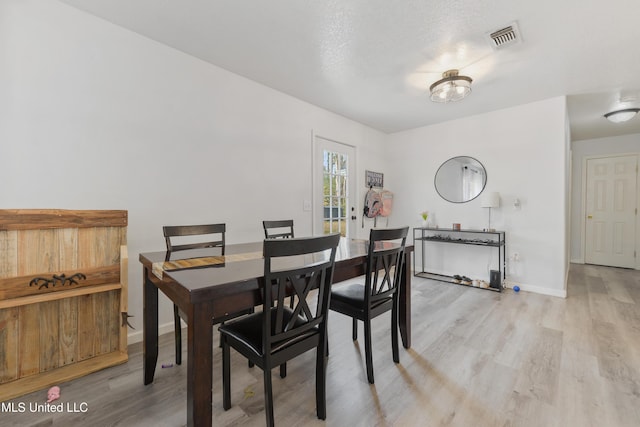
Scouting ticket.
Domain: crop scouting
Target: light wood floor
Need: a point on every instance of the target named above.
(478, 359)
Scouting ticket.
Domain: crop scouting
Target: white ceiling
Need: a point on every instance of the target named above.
(374, 60)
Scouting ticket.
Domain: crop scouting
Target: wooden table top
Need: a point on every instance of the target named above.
(200, 271)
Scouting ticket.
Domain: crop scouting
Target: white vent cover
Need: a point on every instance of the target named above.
(505, 37)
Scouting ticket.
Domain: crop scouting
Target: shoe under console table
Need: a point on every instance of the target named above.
(494, 240)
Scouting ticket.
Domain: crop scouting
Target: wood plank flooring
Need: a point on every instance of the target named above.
(478, 359)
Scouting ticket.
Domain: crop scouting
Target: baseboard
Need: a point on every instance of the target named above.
(44, 380)
(577, 261)
(136, 336)
(543, 291)
(509, 284)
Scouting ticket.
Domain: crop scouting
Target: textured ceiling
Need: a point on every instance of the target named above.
(374, 60)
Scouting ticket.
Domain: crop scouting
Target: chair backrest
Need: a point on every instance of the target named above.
(208, 236)
(298, 265)
(384, 263)
(279, 227)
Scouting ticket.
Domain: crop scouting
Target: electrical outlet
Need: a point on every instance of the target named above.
(516, 256)
(306, 205)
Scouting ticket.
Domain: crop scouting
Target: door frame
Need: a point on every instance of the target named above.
(316, 182)
(583, 213)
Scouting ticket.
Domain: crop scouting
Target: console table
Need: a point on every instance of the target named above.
(494, 240)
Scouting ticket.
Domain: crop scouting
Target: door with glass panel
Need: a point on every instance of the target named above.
(334, 206)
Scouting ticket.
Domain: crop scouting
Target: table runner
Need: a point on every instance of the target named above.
(158, 268)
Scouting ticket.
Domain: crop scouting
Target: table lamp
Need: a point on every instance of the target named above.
(490, 200)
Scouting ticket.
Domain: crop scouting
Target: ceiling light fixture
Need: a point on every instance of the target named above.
(620, 116)
(452, 87)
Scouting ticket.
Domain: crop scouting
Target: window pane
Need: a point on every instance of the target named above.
(340, 186)
(343, 228)
(327, 207)
(325, 162)
(342, 160)
(335, 179)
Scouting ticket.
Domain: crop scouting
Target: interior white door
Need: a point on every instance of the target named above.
(611, 209)
(334, 189)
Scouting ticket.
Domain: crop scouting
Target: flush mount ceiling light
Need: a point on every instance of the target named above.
(620, 116)
(452, 87)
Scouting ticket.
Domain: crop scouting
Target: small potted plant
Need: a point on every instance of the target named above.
(424, 215)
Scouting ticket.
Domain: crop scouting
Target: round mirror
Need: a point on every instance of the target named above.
(460, 179)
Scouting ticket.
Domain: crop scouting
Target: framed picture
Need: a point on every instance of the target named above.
(374, 179)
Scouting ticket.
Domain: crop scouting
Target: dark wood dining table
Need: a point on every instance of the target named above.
(205, 284)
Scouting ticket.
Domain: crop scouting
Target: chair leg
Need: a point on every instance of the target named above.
(177, 330)
(268, 397)
(321, 382)
(283, 370)
(226, 376)
(368, 353)
(394, 333)
(326, 347)
(354, 333)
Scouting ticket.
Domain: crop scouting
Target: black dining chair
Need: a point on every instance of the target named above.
(185, 237)
(379, 293)
(279, 333)
(278, 229)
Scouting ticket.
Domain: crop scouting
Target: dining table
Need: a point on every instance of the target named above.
(207, 284)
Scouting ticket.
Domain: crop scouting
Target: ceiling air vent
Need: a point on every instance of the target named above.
(505, 37)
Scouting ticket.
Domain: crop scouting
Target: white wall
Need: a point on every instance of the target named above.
(626, 144)
(567, 191)
(93, 116)
(524, 151)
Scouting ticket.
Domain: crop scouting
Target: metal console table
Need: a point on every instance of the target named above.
(491, 239)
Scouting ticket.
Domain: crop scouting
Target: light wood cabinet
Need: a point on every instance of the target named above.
(63, 292)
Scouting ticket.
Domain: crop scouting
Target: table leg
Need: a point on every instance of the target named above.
(149, 328)
(405, 303)
(200, 366)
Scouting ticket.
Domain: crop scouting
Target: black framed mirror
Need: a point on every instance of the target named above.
(460, 179)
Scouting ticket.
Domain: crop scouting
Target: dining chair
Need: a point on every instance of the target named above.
(279, 333)
(379, 293)
(185, 237)
(279, 227)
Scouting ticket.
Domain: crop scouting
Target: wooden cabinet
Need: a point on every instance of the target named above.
(63, 292)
